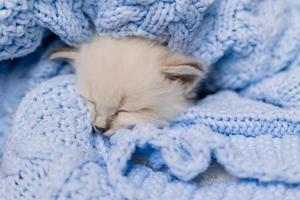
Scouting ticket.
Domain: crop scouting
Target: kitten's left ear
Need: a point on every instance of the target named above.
(186, 70)
(63, 52)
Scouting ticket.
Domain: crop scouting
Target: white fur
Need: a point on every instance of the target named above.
(124, 81)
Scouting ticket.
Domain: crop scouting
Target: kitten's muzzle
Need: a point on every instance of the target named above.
(102, 124)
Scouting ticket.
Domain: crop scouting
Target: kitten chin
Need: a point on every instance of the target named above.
(132, 80)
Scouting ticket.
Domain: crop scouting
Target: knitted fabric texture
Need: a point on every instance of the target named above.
(250, 124)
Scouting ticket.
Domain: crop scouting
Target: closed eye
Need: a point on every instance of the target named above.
(135, 111)
(120, 111)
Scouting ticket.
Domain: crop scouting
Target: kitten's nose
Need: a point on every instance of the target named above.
(101, 129)
(101, 125)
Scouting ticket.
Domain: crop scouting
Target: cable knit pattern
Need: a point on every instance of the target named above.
(19, 33)
(250, 125)
(176, 23)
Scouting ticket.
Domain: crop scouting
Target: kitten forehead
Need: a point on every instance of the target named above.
(119, 67)
(127, 52)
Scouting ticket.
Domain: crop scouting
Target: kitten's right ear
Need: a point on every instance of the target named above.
(183, 69)
(63, 52)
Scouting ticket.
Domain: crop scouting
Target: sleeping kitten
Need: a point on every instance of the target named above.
(132, 80)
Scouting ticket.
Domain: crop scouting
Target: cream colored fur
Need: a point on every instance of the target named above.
(132, 80)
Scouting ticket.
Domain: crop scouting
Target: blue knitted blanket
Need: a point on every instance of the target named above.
(249, 124)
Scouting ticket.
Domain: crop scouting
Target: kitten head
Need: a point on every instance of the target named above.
(132, 80)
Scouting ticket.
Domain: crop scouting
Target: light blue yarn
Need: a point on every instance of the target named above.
(50, 132)
(251, 125)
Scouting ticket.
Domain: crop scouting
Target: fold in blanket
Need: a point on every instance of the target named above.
(250, 124)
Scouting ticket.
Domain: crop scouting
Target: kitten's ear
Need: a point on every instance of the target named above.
(63, 52)
(186, 70)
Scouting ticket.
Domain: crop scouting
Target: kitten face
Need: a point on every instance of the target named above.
(133, 80)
